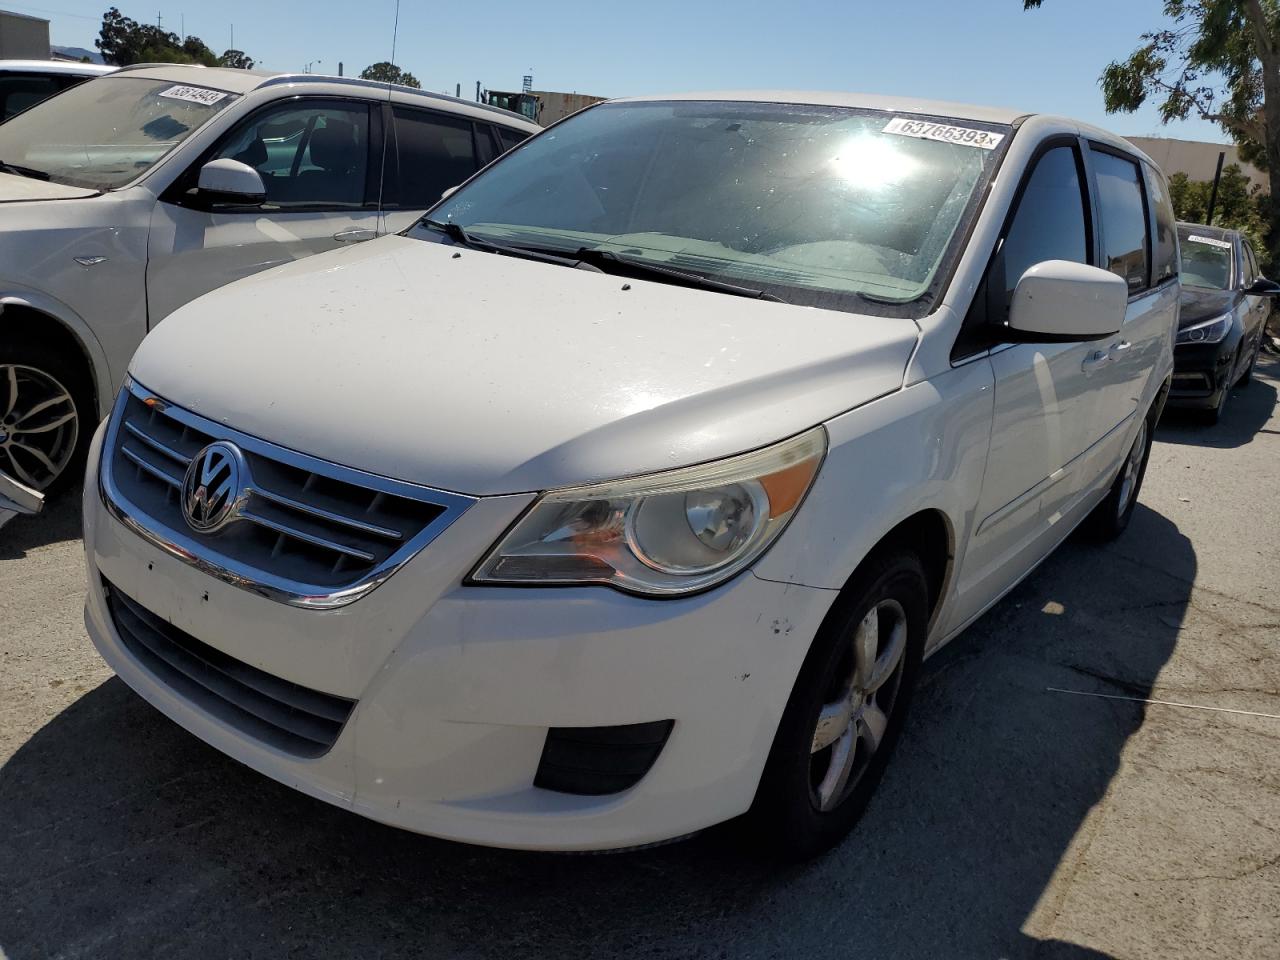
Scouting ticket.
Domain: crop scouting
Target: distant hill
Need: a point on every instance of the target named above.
(78, 53)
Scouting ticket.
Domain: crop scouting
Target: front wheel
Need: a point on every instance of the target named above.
(846, 710)
(43, 425)
(1247, 377)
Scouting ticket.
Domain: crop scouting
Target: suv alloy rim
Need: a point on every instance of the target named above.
(38, 425)
(1132, 464)
(864, 689)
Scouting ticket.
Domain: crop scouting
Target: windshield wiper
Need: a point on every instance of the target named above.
(458, 234)
(22, 171)
(617, 264)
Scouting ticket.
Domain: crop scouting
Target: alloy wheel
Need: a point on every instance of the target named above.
(1132, 468)
(861, 697)
(39, 426)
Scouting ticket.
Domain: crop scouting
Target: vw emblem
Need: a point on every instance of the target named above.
(214, 487)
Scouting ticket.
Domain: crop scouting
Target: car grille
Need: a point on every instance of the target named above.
(309, 532)
(284, 715)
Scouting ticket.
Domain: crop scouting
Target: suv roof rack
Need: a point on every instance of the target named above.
(148, 66)
(283, 78)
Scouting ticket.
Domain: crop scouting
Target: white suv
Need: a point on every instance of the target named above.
(125, 197)
(625, 493)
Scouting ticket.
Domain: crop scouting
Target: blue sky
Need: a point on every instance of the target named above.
(979, 51)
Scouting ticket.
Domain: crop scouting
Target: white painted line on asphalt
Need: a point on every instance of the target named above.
(1165, 703)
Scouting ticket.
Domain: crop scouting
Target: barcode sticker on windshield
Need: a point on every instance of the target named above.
(194, 95)
(1196, 238)
(928, 130)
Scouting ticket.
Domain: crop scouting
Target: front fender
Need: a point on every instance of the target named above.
(103, 380)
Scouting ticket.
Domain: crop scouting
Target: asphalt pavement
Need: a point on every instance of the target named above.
(1015, 821)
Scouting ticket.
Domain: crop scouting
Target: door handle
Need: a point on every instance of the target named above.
(1096, 360)
(354, 235)
(1118, 349)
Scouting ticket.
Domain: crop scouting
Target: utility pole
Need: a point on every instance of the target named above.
(457, 90)
(339, 68)
(1213, 194)
(233, 36)
(477, 91)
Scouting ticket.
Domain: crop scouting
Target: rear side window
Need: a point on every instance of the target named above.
(511, 138)
(1164, 263)
(435, 152)
(1049, 224)
(1125, 243)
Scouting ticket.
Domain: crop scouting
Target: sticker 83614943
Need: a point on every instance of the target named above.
(929, 130)
(201, 95)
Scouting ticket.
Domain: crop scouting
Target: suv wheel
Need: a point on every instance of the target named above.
(1247, 376)
(846, 710)
(43, 406)
(1110, 518)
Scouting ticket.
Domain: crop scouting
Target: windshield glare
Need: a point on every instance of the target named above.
(815, 204)
(107, 132)
(1206, 261)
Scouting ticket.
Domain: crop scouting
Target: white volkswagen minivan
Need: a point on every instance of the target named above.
(624, 494)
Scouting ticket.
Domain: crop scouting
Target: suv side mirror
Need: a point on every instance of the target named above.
(450, 191)
(1262, 287)
(231, 182)
(1062, 301)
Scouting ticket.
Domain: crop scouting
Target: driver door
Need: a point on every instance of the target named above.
(320, 163)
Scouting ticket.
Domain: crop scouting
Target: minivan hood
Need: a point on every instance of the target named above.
(487, 374)
(17, 189)
(1201, 303)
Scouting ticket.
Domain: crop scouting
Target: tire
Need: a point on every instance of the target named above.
(801, 808)
(46, 417)
(1246, 378)
(1111, 517)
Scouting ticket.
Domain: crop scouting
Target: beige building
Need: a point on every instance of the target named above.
(23, 37)
(1197, 159)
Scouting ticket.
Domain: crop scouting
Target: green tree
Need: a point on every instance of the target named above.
(122, 41)
(235, 59)
(1218, 60)
(1240, 205)
(386, 72)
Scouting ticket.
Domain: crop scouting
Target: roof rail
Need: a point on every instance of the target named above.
(286, 78)
(148, 66)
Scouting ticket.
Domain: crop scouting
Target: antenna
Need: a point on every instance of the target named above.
(387, 133)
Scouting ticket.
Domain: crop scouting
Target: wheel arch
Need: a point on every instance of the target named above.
(29, 316)
(930, 535)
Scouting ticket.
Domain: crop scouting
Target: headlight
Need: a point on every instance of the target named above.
(1210, 331)
(663, 534)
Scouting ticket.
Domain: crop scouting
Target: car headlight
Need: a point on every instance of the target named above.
(663, 534)
(1209, 331)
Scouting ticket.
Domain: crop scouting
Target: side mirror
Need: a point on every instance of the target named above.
(1062, 301)
(450, 192)
(231, 182)
(1262, 287)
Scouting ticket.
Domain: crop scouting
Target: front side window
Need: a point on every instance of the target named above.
(1165, 262)
(308, 154)
(1049, 224)
(1206, 258)
(18, 91)
(1125, 243)
(827, 206)
(108, 132)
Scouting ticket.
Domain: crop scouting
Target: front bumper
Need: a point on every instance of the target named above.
(1201, 372)
(456, 686)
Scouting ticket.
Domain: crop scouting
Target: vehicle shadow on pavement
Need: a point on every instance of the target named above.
(122, 835)
(1248, 410)
(60, 520)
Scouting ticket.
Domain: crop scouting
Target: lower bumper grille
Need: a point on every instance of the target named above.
(592, 761)
(289, 717)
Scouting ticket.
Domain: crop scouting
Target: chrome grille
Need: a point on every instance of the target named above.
(309, 532)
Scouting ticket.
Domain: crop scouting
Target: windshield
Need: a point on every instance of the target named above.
(1206, 261)
(107, 132)
(817, 205)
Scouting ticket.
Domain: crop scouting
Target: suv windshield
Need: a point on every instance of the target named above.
(107, 132)
(817, 205)
(1206, 260)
